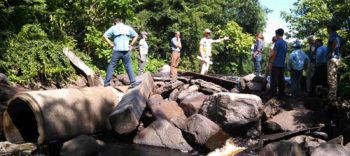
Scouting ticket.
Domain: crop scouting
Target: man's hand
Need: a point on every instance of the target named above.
(130, 47)
(226, 38)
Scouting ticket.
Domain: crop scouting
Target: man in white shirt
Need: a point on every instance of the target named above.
(143, 47)
(205, 50)
(176, 47)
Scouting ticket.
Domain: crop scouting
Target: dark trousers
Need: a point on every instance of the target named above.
(277, 79)
(319, 78)
(296, 79)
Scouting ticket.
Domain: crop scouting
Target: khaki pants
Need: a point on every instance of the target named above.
(332, 68)
(175, 60)
(205, 65)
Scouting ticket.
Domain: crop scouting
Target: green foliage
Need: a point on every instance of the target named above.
(31, 57)
(310, 17)
(230, 58)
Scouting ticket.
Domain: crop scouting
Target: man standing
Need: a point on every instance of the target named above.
(333, 55)
(320, 76)
(176, 46)
(205, 50)
(297, 61)
(311, 65)
(120, 34)
(277, 66)
(143, 47)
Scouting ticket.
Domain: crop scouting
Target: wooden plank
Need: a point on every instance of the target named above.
(90, 74)
(126, 116)
(224, 83)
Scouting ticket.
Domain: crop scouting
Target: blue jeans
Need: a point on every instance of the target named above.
(257, 64)
(296, 80)
(126, 58)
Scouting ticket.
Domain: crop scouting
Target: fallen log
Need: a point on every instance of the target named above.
(224, 83)
(126, 116)
(42, 116)
(90, 74)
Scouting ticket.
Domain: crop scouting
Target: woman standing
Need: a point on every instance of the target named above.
(267, 72)
(257, 58)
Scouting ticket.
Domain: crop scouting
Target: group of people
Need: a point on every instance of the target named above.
(118, 38)
(321, 63)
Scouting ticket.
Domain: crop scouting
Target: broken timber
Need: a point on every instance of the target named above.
(126, 116)
(224, 83)
(90, 74)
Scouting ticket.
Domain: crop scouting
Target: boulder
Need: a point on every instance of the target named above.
(255, 86)
(8, 149)
(7, 92)
(330, 150)
(82, 145)
(123, 79)
(195, 131)
(251, 83)
(126, 116)
(192, 103)
(158, 87)
(169, 86)
(293, 120)
(208, 87)
(173, 95)
(154, 100)
(170, 111)
(231, 109)
(187, 91)
(164, 71)
(282, 148)
(272, 107)
(162, 133)
(3, 79)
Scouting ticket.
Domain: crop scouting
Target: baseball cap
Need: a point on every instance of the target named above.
(207, 31)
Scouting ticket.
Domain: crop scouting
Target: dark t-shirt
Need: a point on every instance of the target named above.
(280, 49)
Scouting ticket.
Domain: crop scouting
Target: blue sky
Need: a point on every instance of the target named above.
(274, 19)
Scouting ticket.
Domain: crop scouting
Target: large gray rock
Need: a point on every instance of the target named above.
(231, 109)
(126, 116)
(272, 107)
(170, 111)
(208, 87)
(190, 89)
(293, 120)
(173, 95)
(200, 129)
(162, 133)
(252, 83)
(83, 146)
(282, 148)
(192, 103)
(330, 150)
(4, 79)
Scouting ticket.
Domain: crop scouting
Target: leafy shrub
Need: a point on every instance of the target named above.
(30, 57)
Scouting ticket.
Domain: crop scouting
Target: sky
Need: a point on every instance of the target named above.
(274, 20)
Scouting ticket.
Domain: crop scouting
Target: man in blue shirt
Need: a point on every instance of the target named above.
(297, 62)
(333, 55)
(120, 34)
(320, 76)
(277, 65)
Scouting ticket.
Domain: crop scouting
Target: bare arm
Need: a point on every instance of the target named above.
(220, 39)
(106, 39)
(133, 42)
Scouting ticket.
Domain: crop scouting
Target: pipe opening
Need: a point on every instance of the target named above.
(23, 118)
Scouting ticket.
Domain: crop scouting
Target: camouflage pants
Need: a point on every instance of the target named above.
(332, 68)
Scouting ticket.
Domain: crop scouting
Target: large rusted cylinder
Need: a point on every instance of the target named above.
(42, 116)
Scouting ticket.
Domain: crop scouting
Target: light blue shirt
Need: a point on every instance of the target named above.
(298, 59)
(120, 34)
(321, 55)
(174, 41)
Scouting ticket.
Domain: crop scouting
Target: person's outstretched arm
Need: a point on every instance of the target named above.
(220, 39)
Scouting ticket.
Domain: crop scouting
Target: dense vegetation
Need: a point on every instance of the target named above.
(33, 33)
(310, 17)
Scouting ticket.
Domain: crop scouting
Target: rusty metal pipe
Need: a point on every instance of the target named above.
(42, 116)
